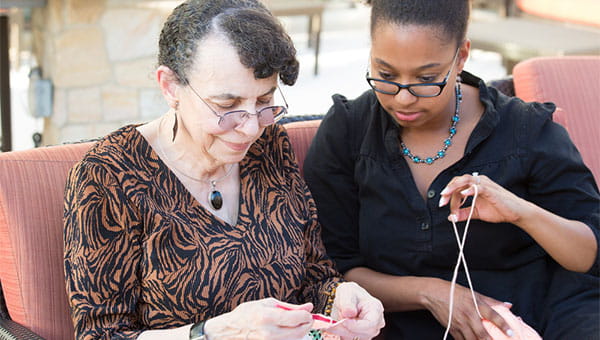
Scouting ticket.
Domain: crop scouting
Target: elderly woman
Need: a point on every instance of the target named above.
(198, 224)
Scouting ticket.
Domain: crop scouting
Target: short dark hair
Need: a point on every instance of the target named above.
(451, 16)
(258, 37)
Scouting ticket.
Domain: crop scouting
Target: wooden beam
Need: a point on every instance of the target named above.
(5, 123)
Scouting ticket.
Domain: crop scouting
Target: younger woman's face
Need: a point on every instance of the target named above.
(414, 54)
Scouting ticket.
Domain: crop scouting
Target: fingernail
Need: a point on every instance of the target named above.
(443, 201)
(453, 218)
(508, 304)
(464, 192)
(510, 333)
(445, 191)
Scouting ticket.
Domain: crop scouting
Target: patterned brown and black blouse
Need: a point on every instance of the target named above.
(141, 253)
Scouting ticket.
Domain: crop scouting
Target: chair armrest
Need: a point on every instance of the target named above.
(299, 118)
(10, 330)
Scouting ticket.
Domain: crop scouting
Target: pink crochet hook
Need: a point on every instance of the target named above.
(317, 317)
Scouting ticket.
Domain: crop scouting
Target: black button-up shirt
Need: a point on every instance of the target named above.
(373, 215)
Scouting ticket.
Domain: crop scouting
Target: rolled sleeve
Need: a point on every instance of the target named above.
(559, 180)
(102, 256)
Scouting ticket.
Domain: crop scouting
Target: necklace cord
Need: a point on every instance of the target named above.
(162, 152)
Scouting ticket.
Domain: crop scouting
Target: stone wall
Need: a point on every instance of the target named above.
(100, 56)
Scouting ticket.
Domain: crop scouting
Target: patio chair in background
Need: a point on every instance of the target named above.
(573, 84)
(538, 28)
(580, 12)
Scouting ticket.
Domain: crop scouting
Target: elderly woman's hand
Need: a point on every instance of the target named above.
(262, 319)
(363, 313)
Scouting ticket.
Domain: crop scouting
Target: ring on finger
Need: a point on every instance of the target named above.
(477, 178)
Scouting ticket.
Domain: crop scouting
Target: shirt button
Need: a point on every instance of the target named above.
(431, 194)
(424, 226)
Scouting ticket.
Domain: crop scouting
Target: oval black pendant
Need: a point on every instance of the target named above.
(216, 199)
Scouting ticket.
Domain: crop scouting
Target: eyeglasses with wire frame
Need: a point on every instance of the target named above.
(426, 90)
(266, 116)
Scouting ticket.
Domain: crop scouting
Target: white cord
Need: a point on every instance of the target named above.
(461, 258)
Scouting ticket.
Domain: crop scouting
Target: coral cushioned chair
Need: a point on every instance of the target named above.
(301, 134)
(573, 84)
(32, 186)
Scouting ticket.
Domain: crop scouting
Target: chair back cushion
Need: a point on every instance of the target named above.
(582, 12)
(572, 83)
(32, 184)
(301, 134)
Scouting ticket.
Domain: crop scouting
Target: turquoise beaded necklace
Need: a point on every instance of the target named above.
(447, 142)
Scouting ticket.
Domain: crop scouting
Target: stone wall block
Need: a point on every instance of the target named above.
(119, 104)
(152, 104)
(127, 3)
(131, 33)
(46, 58)
(80, 58)
(84, 105)
(76, 133)
(42, 44)
(54, 21)
(104, 129)
(59, 108)
(137, 73)
(83, 11)
(50, 133)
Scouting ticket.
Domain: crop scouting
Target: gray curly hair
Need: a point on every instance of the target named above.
(259, 39)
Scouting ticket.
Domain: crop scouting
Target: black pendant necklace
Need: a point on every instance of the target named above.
(215, 198)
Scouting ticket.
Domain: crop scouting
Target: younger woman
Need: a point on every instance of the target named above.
(390, 167)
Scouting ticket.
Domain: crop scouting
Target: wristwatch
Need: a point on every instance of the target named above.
(197, 331)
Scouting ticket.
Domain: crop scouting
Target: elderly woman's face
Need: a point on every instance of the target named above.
(220, 83)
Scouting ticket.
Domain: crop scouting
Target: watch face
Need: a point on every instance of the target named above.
(197, 331)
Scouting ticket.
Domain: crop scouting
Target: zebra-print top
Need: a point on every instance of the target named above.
(141, 253)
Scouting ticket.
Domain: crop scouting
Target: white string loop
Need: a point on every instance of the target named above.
(461, 258)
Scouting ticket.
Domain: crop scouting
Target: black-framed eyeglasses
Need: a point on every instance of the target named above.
(231, 119)
(426, 90)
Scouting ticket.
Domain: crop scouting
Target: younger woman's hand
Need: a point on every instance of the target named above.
(362, 312)
(466, 323)
(262, 319)
(494, 203)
